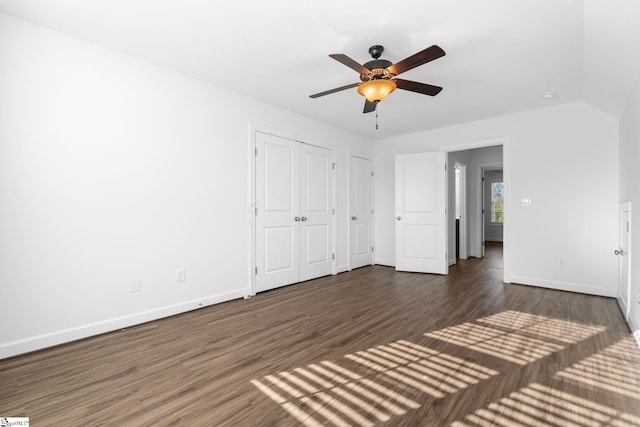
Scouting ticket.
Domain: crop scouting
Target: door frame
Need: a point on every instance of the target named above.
(506, 171)
(372, 199)
(624, 303)
(463, 211)
(252, 202)
(484, 168)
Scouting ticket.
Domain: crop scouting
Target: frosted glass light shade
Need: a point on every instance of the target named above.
(376, 90)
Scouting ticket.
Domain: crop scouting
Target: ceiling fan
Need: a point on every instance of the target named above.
(379, 75)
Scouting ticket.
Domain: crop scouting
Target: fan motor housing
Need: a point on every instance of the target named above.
(378, 69)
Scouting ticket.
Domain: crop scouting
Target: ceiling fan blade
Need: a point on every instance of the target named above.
(338, 89)
(418, 87)
(415, 60)
(344, 59)
(369, 106)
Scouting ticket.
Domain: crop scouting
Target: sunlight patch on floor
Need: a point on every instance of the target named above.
(539, 405)
(327, 393)
(517, 337)
(615, 369)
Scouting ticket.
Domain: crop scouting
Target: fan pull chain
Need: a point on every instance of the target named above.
(376, 119)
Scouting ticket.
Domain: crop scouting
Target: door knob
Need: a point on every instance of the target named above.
(297, 218)
(354, 218)
(304, 218)
(619, 252)
(398, 218)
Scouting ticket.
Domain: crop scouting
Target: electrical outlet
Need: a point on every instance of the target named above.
(181, 274)
(134, 284)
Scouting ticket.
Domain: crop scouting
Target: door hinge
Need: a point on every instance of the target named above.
(371, 211)
(372, 249)
(333, 256)
(256, 151)
(627, 226)
(334, 211)
(371, 173)
(256, 211)
(445, 166)
(333, 166)
(256, 270)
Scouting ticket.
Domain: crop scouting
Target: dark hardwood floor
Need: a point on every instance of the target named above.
(368, 347)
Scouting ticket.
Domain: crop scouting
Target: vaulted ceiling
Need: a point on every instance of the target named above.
(502, 55)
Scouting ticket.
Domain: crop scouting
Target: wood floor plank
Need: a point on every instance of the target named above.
(369, 347)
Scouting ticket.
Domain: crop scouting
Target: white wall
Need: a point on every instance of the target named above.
(565, 159)
(112, 168)
(630, 190)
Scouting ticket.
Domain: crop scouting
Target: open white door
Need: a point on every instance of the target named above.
(421, 226)
(360, 216)
(624, 254)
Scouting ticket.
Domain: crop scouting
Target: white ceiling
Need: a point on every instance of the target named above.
(501, 54)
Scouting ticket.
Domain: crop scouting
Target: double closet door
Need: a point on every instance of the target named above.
(294, 212)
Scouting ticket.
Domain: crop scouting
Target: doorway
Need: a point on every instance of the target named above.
(475, 157)
(492, 204)
(460, 200)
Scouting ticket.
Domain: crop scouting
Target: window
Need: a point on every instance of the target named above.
(497, 202)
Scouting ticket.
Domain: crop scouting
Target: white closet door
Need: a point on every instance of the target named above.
(277, 201)
(316, 212)
(421, 243)
(294, 212)
(360, 217)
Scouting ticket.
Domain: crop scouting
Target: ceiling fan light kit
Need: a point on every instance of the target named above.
(379, 75)
(376, 90)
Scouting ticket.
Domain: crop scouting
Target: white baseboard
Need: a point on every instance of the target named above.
(635, 329)
(564, 286)
(342, 269)
(39, 342)
(386, 262)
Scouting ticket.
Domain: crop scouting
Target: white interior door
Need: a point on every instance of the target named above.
(421, 213)
(294, 212)
(360, 213)
(624, 254)
(277, 202)
(316, 212)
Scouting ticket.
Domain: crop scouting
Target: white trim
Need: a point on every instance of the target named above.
(253, 129)
(506, 177)
(563, 286)
(475, 144)
(463, 238)
(385, 262)
(506, 225)
(39, 342)
(342, 269)
(252, 208)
